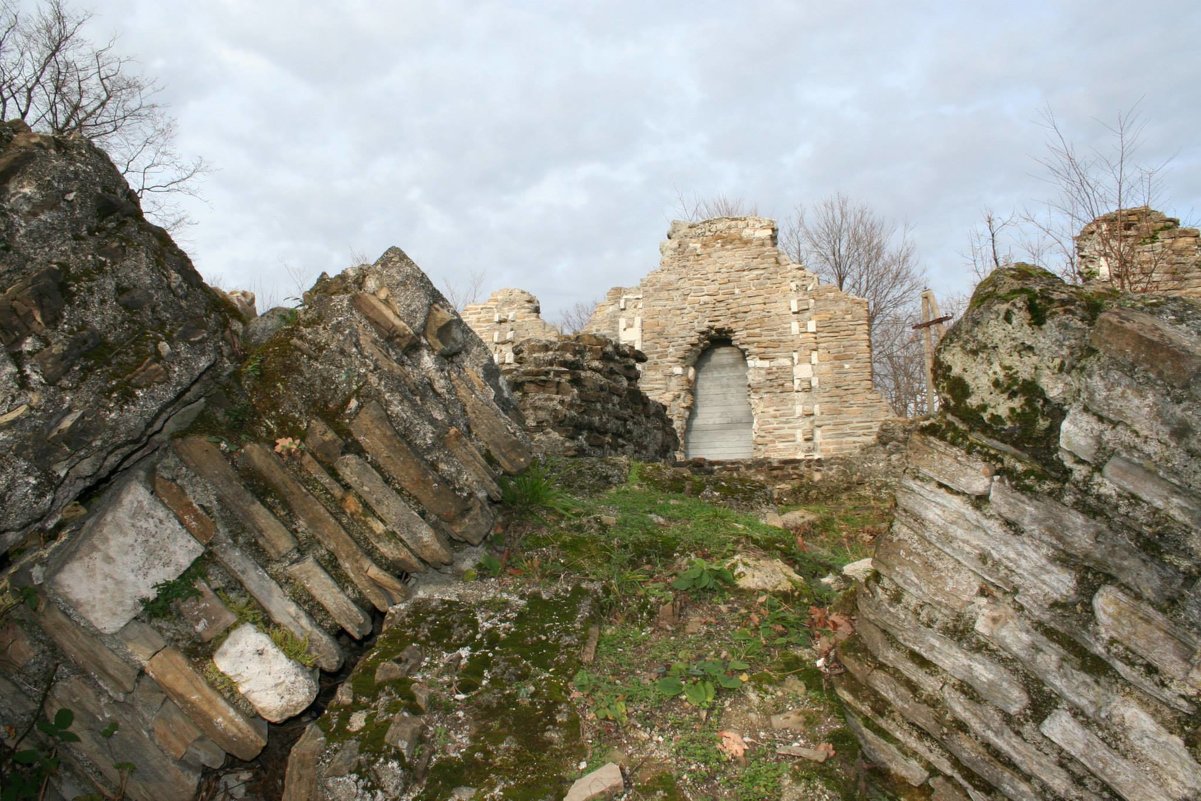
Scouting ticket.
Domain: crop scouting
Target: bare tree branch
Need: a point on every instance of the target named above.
(696, 209)
(57, 81)
(573, 319)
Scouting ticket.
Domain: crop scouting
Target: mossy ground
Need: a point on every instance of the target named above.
(756, 650)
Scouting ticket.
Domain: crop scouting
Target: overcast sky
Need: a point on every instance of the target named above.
(547, 144)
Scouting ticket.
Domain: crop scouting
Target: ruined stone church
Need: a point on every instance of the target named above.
(752, 355)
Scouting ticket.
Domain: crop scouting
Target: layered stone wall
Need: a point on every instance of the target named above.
(1034, 628)
(806, 343)
(579, 396)
(1141, 250)
(507, 317)
(187, 544)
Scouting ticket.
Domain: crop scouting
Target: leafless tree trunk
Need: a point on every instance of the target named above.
(57, 81)
(857, 250)
(986, 251)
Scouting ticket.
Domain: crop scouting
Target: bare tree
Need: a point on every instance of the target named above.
(466, 293)
(986, 249)
(898, 363)
(1092, 184)
(695, 209)
(57, 81)
(857, 250)
(573, 319)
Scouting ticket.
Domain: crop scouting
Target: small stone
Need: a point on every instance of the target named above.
(389, 671)
(344, 696)
(794, 719)
(276, 686)
(797, 520)
(405, 735)
(859, 571)
(421, 696)
(357, 721)
(605, 780)
(763, 574)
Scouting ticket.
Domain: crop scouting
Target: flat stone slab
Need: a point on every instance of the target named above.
(132, 544)
(275, 685)
(605, 780)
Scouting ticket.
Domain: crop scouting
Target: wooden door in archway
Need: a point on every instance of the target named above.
(720, 425)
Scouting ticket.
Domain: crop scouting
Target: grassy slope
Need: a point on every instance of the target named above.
(678, 662)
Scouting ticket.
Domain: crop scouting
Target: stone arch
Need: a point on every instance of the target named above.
(720, 423)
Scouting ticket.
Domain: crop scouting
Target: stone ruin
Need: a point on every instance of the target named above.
(578, 395)
(505, 318)
(1162, 256)
(190, 531)
(752, 356)
(1033, 629)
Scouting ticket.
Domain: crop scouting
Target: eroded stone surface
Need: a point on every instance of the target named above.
(277, 686)
(130, 546)
(1051, 609)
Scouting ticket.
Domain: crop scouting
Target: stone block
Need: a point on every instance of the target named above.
(300, 780)
(173, 730)
(131, 543)
(1085, 538)
(1148, 634)
(992, 681)
(604, 781)
(375, 433)
(883, 753)
(279, 605)
(405, 734)
(207, 462)
(326, 592)
(195, 521)
(420, 538)
(206, 707)
(385, 321)
(1125, 777)
(950, 466)
(207, 614)
(86, 651)
(1149, 343)
(318, 521)
(276, 686)
(158, 777)
(490, 427)
(444, 331)
(1155, 490)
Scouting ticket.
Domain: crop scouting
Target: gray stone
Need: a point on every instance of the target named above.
(760, 573)
(422, 540)
(405, 734)
(950, 466)
(279, 605)
(604, 781)
(325, 591)
(276, 686)
(1152, 488)
(883, 753)
(1148, 634)
(300, 780)
(322, 525)
(266, 325)
(207, 614)
(130, 545)
(1126, 778)
(211, 713)
(88, 653)
(860, 570)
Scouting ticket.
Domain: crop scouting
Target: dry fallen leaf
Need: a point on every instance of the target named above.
(731, 744)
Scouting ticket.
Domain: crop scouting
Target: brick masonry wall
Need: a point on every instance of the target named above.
(806, 343)
(505, 318)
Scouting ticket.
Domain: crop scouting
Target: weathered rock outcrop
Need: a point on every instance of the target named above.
(1034, 629)
(465, 694)
(248, 519)
(110, 336)
(579, 396)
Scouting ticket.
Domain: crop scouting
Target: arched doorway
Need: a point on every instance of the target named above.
(720, 425)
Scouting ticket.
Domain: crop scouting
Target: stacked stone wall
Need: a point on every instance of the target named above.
(579, 396)
(507, 317)
(1033, 629)
(1159, 255)
(806, 344)
(179, 578)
